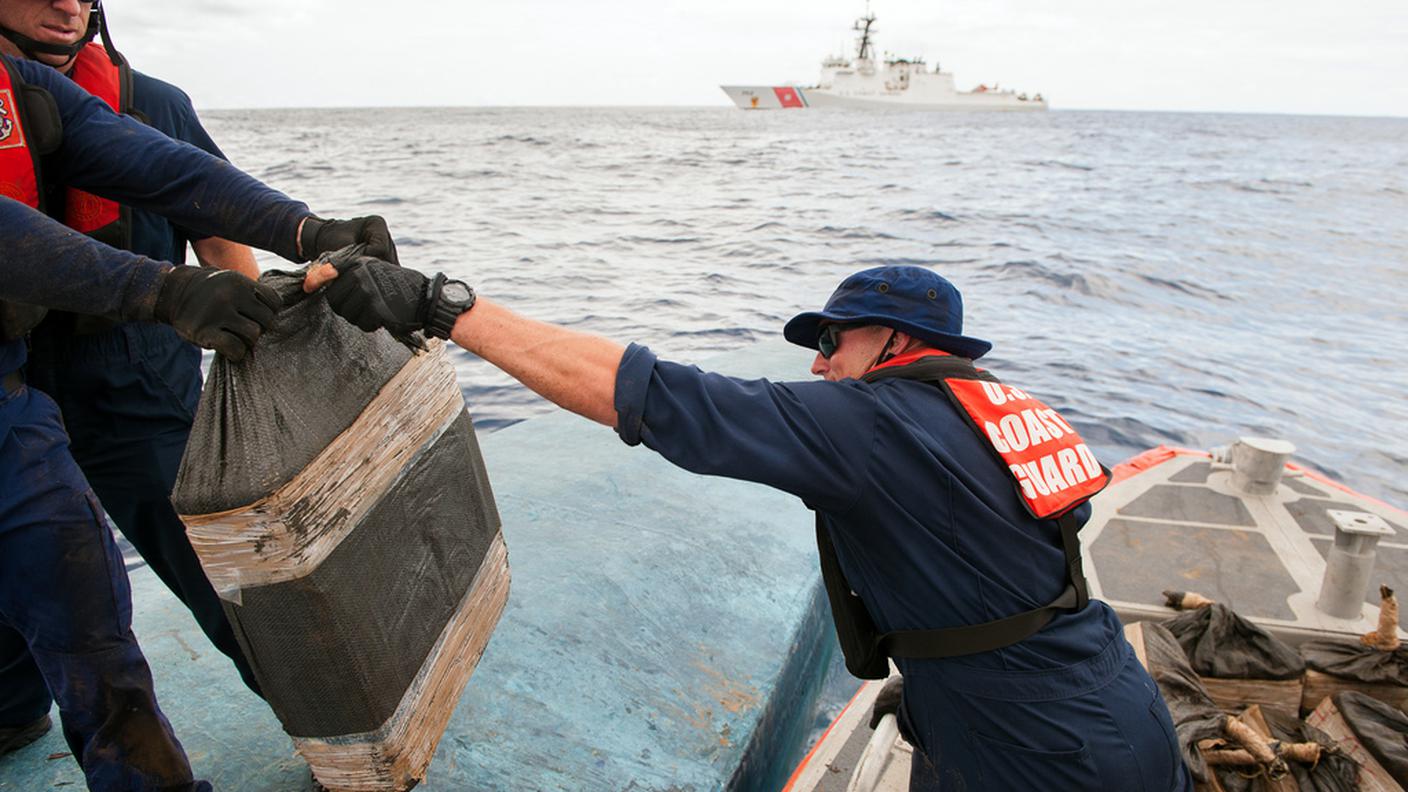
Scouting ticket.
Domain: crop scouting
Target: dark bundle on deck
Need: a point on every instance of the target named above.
(1376, 664)
(1382, 729)
(1221, 644)
(1328, 770)
(334, 491)
(1240, 663)
(1196, 716)
(1353, 660)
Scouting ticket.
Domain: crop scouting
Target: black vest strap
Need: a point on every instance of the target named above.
(867, 651)
(985, 637)
(860, 640)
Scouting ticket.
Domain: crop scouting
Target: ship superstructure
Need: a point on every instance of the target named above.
(888, 83)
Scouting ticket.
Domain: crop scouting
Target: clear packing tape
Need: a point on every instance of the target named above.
(285, 535)
(334, 492)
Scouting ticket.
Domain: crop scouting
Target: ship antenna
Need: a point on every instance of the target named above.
(864, 27)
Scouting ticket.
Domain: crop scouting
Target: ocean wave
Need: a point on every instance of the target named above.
(1168, 276)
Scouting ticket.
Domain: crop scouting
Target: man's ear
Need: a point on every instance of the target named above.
(900, 343)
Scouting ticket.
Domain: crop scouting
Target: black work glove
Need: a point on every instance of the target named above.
(320, 236)
(371, 294)
(887, 702)
(216, 309)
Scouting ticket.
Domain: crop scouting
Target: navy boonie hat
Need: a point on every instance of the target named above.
(912, 300)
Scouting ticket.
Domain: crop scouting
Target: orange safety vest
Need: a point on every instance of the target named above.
(20, 176)
(1052, 467)
(1052, 471)
(23, 134)
(104, 220)
(19, 162)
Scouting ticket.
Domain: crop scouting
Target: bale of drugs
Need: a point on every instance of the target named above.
(1196, 717)
(1240, 664)
(335, 494)
(1255, 751)
(1376, 664)
(1371, 733)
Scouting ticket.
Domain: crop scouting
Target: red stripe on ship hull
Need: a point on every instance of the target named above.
(789, 97)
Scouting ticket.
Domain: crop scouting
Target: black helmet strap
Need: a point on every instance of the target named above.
(31, 48)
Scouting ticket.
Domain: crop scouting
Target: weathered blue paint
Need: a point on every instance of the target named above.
(665, 632)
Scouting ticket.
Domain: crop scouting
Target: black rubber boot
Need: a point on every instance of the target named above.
(16, 737)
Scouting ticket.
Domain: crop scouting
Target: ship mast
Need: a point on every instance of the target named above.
(863, 26)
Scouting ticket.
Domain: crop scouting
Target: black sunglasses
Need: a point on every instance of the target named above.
(829, 338)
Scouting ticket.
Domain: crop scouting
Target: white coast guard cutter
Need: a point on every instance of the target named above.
(893, 84)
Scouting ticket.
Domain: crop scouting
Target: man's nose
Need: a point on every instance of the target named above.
(69, 7)
(820, 365)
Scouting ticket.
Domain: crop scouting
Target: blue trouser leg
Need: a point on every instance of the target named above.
(1096, 725)
(128, 397)
(63, 588)
(24, 697)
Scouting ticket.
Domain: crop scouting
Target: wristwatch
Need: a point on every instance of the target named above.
(447, 299)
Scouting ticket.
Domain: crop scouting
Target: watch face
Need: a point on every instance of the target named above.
(454, 292)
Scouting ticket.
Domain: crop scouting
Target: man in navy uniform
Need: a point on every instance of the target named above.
(947, 507)
(62, 584)
(128, 392)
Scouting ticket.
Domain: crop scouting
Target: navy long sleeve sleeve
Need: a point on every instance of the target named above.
(779, 434)
(43, 262)
(120, 159)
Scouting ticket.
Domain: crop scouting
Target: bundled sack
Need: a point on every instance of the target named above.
(334, 491)
(1317, 763)
(1221, 644)
(1240, 663)
(1380, 728)
(1376, 664)
(1196, 717)
(1356, 662)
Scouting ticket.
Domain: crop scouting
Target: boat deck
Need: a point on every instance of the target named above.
(1175, 522)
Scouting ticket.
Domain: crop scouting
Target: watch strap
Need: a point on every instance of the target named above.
(441, 315)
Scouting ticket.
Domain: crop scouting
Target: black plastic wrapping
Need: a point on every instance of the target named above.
(1195, 715)
(336, 648)
(1335, 772)
(1223, 645)
(1383, 729)
(263, 419)
(1356, 661)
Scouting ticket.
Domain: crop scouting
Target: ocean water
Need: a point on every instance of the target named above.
(1159, 278)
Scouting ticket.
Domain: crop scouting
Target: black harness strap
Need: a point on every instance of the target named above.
(985, 637)
(866, 650)
(859, 638)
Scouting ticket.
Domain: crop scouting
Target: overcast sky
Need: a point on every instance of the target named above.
(1290, 56)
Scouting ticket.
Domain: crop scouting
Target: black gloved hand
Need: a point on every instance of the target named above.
(370, 293)
(888, 701)
(216, 309)
(319, 236)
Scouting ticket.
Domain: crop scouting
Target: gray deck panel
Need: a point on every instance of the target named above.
(1137, 561)
(1194, 504)
(1196, 473)
(1309, 514)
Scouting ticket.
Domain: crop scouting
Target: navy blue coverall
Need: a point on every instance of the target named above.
(929, 532)
(62, 583)
(128, 394)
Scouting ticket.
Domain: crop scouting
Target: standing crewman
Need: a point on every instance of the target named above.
(62, 584)
(128, 392)
(947, 507)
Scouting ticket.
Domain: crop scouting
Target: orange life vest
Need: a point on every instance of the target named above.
(20, 176)
(1052, 467)
(1053, 472)
(104, 220)
(19, 161)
